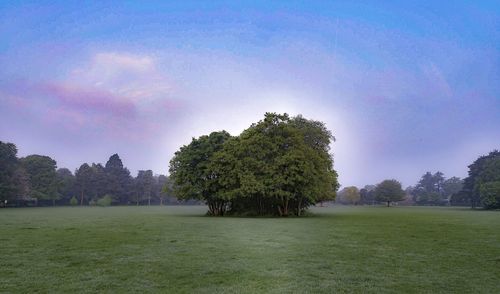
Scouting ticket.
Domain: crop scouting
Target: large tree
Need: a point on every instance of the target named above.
(119, 181)
(83, 182)
(190, 172)
(280, 165)
(43, 178)
(479, 186)
(389, 191)
(8, 167)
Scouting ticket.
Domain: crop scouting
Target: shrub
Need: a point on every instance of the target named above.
(73, 201)
(105, 201)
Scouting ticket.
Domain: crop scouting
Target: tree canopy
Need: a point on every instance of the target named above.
(8, 167)
(279, 165)
(481, 187)
(349, 195)
(389, 191)
(34, 180)
(435, 189)
(41, 171)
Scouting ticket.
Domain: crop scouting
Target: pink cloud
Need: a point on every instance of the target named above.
(88, 99)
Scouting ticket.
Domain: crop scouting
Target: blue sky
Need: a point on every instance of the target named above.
(405, 87)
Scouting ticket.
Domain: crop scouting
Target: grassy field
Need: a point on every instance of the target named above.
(177, 249)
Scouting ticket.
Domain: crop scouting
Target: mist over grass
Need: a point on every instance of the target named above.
(178, 249)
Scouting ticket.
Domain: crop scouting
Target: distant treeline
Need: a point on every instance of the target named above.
(35, 180)
(480, 188)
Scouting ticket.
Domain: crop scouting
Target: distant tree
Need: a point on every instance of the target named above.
(163, 189)
(408, 196)
(43, 178)
(22, 183)
(367, 194)
(144, 185)
(349, 195)
(482, 171)
(8, 166)
(66, 183)
(99, 181)
(83, 182)
(429, 190)
(119, 181)
(389, 191)
(451, 187)
(460, 199)
(352, 195)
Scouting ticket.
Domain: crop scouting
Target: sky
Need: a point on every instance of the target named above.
(405, 87)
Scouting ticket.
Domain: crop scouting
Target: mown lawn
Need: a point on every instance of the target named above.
(178, 250)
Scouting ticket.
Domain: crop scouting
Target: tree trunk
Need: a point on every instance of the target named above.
(149, 201)
(388, 203)
(81, 198)
(161, 201)
(261, 205)
(53, 202)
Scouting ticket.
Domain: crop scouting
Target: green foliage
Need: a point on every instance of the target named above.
(452, 186)
(73, 201)
(35, 178)
(428, 189)
(164, 189)
(83, 182)
(144, 185)
(490, 194)
(280, 166)
(190, 172)
(389, 191)
(118, 181)
(349, 195)
(484, 170)
(42, 175)
(105, 201)
(8, 166)
(367, 194)
(66, 183)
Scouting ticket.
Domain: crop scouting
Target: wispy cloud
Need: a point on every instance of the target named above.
(87, 99)
(436, 81)
(135, 77)
(122, 93)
